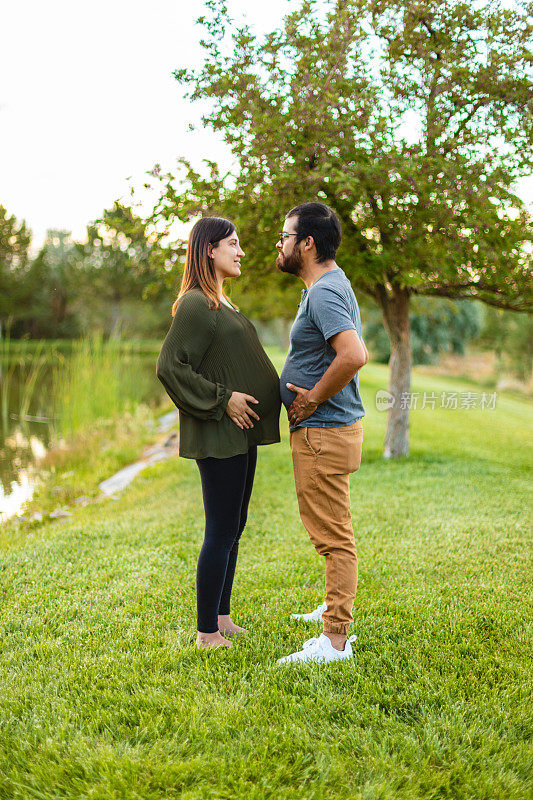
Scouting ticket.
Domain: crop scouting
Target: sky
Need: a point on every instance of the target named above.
(88, 101)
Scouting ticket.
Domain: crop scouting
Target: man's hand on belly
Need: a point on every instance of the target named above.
(349, 359)
(301, 407)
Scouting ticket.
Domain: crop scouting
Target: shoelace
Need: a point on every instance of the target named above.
(311, 642)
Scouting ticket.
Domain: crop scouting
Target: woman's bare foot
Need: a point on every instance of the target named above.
(207, 641)
(227, 627)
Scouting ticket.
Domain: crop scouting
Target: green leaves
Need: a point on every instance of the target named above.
(412, 121)
(393, 113)
(15, 240)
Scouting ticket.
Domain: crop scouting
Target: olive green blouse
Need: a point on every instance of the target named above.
(208, 354)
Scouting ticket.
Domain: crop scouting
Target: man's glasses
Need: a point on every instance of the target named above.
(283, 236)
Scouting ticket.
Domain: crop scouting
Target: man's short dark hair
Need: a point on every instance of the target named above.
(320, 222)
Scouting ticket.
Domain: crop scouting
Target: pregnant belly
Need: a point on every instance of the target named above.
(267, 393)
(269, 401)
(287, 396)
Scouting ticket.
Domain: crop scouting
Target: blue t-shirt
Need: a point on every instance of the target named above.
(326, 308)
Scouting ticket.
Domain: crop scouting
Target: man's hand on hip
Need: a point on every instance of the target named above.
(351, 355)
(301, 407)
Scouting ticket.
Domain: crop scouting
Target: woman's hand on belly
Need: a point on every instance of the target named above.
(239, 410)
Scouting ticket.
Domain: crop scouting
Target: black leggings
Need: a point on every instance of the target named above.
(226, 488)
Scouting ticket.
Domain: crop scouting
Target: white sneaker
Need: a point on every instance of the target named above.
(320, 649)
(313, 616)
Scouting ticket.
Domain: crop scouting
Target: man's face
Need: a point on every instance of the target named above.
(290, 257)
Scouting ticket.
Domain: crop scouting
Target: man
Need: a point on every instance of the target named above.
(319, 387)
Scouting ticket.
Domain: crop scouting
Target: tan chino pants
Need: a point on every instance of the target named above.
(323, 458)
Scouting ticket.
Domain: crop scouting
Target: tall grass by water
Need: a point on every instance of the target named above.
(14, 363)
(72, 384)
(99, 380)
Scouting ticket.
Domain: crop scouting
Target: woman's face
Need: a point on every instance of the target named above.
(226, 257)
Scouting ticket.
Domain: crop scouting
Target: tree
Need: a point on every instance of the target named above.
(15, 240)
(412, 120)
(119, 261)
(54, 281)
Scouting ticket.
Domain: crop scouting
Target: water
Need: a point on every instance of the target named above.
(26, 437)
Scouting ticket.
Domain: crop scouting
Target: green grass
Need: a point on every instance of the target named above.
(11, 358)
(90, 380)
(86, 459)
(51, 347)
(99, 380)
(103, 696)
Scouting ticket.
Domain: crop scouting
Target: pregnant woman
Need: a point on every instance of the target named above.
(215, 370)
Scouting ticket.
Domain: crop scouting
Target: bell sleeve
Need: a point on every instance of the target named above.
(185, 345)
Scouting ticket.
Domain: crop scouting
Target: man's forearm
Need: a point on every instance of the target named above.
(339, 373)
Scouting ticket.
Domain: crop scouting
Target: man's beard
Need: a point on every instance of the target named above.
(291, 264)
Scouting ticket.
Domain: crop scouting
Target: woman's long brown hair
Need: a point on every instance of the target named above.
(199, 272)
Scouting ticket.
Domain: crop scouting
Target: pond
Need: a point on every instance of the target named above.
(46, 397)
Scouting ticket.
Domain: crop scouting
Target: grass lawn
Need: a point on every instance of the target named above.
(103, 696)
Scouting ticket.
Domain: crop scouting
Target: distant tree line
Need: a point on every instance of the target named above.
(111, 283)
(122, 280)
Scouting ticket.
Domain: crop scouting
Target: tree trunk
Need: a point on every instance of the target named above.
(395, 306)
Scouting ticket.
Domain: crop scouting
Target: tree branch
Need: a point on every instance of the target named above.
(464, 291)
